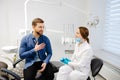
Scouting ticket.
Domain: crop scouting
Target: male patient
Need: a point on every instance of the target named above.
(35, 48)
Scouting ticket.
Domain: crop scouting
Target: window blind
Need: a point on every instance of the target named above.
(112, 27)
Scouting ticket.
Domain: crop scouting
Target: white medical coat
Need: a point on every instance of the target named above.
(81, 59)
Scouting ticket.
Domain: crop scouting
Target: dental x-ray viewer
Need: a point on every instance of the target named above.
(36, 49)
(78, 67)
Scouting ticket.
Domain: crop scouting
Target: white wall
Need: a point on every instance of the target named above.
(3, 23)
(55, 16)
(15, 19)
(75, 12)
(97, 8)
(11, 20)
(109, 70)
(53, 13)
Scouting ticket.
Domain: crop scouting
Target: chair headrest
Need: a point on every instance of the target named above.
(3, 65)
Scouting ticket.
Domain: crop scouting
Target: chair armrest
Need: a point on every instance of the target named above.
(16, 62)
(17, 77)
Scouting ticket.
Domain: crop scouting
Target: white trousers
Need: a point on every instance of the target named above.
(67, 73)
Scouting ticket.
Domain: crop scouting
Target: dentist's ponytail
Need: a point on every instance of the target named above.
(87, 40)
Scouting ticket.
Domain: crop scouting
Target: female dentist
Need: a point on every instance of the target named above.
(78, 67)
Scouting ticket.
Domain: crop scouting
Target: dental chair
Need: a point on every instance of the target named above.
(18, 77)
(96, 65)
(6, 74)
(3, 76)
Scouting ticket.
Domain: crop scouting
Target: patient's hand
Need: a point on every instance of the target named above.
(39, 46)
(43, 67)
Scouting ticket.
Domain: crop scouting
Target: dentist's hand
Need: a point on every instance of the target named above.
(39, 46)
(65, 60)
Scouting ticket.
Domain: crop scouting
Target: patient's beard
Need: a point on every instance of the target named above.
(38, 33)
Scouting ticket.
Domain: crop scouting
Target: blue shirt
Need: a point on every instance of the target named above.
(27, 52)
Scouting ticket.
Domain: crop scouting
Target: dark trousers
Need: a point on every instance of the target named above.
(47, 74)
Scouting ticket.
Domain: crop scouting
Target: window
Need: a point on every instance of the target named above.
(112, 27)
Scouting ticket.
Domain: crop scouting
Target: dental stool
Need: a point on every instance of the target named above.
(96, 65)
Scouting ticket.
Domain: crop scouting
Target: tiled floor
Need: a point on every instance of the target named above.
(99, 78)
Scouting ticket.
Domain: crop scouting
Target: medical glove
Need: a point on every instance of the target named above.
(68, 59)
(65, 60)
